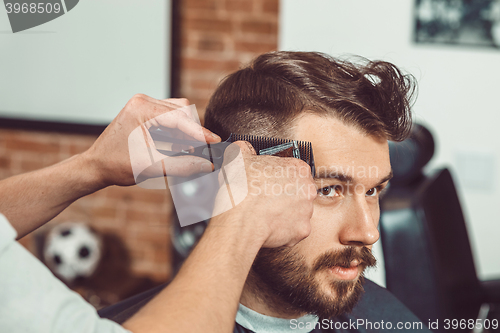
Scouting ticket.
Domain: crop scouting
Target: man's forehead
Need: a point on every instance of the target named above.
(343, 149)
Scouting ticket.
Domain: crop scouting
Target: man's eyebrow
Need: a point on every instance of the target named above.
(323, 173)
(386, 178)
(326, 174)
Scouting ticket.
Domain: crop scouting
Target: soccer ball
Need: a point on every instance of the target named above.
(72, 250)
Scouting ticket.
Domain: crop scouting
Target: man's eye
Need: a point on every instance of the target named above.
(330, 191)
(372, 192)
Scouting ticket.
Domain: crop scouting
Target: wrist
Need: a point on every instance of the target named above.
(88, 168)
(243, 230)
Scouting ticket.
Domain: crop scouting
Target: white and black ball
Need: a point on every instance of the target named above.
(72, 250)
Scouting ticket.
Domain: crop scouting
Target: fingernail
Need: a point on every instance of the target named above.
(206, 167)
(215, 136)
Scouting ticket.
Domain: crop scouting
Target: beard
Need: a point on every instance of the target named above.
(282, 277)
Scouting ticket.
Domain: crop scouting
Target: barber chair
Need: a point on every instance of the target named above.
(428, 260)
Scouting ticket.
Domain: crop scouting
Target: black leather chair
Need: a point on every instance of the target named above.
(428, 260)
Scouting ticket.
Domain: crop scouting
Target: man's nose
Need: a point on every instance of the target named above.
(360, 225)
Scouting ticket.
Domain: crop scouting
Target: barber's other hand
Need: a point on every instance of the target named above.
(279, 204)
(109, 155)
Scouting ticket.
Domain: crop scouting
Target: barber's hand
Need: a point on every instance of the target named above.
(109, 155)
(279, 203)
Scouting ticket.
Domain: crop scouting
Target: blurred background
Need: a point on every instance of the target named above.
(183, 48)
(61, 82)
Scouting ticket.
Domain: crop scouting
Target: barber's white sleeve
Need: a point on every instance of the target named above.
(32, 299)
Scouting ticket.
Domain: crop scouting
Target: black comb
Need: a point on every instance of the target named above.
(278, 147)
(262, 145)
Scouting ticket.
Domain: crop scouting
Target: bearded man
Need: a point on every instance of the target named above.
(348, 111)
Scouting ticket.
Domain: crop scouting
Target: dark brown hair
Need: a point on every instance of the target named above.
(265, 97)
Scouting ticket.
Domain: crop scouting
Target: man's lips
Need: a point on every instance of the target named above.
(343, 273)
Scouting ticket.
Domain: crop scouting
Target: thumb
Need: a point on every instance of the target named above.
(246, 148)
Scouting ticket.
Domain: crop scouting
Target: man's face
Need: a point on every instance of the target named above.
(323, 274)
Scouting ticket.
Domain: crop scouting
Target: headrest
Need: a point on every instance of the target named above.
(410, 156)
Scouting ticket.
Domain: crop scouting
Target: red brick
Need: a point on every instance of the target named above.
(255, 47)
(207, 43)
(224, 65)
(260, 27)
(143, 267)
(159, 234)
(147, 218)
(201, 84)
(142, 253)
(201, 104)
(4, 162)
(208, 24)
(199, 4)
(28, 145)
(270, 6)
(104, 212)
(239, 5)
(136, 194)
(162, 257)
(189, 40)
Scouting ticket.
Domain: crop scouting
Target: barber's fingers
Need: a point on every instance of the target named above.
(182, 104)
(181, 166)
(173, 103)
(178, 101)
(184, 166)
(237, 151)
(171, 114)
(246, 148)
(178, 119)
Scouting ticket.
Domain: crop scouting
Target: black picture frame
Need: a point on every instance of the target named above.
(472, 23)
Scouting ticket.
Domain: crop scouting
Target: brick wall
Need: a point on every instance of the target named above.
(216, 37)
(140, 217)
(211, 39)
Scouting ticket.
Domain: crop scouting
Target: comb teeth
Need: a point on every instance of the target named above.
(261, 142)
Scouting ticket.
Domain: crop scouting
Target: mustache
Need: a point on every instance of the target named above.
(344, 257)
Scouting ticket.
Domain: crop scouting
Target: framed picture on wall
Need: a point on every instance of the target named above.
(459, 22)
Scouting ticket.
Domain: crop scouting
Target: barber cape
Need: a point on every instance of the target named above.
(377, 311)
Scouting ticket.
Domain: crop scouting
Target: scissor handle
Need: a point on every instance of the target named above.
(212, 152)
